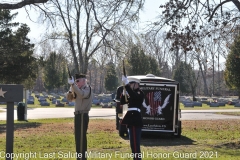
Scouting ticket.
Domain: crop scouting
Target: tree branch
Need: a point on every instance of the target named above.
(20, 4)
(215, 9)
(237, 3)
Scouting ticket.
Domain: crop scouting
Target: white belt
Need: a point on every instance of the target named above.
(134, 109)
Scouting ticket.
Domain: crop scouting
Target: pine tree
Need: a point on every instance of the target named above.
(17, 63)
(55, 74)
(231, 73)
(142, 64)
(111, 80)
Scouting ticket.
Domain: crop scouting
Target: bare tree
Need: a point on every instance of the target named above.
(86, 24)
(195, 27)
(158, 47)
(23, 3)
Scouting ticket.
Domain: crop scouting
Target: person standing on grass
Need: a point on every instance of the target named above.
(133, 117)
(81, 93)
(118, 105)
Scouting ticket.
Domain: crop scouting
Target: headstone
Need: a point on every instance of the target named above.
(44, 103)
(197, 104)
(214, 105)
(60, 105)
(188, 104)
(237, 105)
(221, 104)
(71, 103)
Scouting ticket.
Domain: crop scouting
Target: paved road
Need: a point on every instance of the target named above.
(40, 113)
(208, 114)
(109, 113)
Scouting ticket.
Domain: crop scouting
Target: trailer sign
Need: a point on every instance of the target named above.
(158, 109)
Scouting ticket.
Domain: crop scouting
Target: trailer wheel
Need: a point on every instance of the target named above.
(179, 130)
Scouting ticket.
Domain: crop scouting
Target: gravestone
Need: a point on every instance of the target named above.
(10, 94)
(221, 103)
(237, 105)
(188, 104)
(214, 104)
(196, 103)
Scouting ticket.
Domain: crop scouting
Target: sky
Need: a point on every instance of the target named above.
(150, 11)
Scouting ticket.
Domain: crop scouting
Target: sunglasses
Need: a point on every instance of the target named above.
(77, 80)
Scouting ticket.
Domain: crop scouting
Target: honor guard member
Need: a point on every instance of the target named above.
(81, 93)
(118, 106)
(133, 117)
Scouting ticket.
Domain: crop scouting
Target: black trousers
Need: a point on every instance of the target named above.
(80, 126)
(135, 138)
(117, 121)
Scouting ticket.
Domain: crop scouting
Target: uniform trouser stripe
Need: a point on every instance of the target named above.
(134, 139)
(81, 125)
(81, 133)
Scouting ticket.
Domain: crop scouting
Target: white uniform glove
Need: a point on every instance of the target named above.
(124, 80)
(70, 81)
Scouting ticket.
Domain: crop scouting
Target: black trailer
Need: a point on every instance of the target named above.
(160, 109)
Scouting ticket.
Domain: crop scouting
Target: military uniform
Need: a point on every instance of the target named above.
(133, 118)
(118, 108)
(83, 103)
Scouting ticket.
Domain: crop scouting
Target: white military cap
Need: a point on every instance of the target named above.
(133, 80)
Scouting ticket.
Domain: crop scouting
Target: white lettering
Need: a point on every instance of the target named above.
(120, 155)
(177, 154)
(98, 155)
(67, 155)
(157, 155)
(2, 154)
(18, 155)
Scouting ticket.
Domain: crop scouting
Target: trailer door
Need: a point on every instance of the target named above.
(159, 108)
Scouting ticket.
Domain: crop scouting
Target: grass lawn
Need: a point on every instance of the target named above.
(54, 139)
(230, 113)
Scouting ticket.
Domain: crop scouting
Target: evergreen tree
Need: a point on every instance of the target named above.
(55, 73)
(232, 74)
(153, 66)
(111, 80)
(134, 61)
(64, 77)
(17, 63)
(142, 64)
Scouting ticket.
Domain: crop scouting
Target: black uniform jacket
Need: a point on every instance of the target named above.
(118, 99)
(135, 100)
(119, 94)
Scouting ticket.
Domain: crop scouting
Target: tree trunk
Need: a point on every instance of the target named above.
(204, 79)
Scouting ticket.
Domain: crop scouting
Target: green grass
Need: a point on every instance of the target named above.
(53, 138)
(229, 113)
